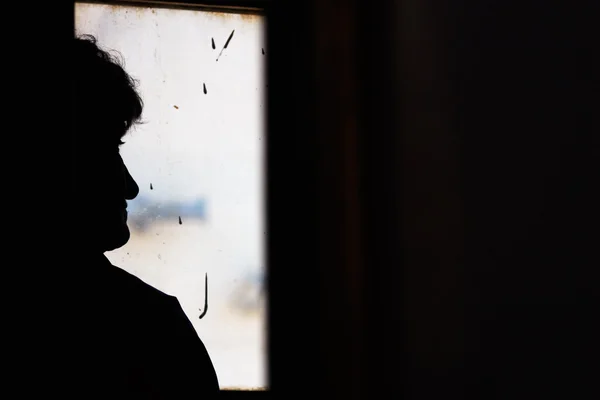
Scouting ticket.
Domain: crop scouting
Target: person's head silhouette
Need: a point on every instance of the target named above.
(106, 105)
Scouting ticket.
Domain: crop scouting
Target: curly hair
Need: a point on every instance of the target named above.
(106, 101)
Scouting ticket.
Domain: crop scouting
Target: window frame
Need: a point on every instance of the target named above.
(253, 7)
(237, 7)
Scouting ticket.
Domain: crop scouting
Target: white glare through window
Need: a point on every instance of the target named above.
(198, 160)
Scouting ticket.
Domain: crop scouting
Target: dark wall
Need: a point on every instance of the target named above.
(523, 73)
(445, 158)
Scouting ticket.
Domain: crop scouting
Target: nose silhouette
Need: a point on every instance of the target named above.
(131, 187)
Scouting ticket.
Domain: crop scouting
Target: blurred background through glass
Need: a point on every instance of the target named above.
(198, 158)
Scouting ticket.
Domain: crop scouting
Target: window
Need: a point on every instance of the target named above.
(198, 160)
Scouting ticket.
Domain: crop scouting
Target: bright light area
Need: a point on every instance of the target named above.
(198, 157)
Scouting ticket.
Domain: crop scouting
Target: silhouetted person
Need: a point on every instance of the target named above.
(132, 341)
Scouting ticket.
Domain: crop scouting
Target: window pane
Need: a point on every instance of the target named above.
(198, 157)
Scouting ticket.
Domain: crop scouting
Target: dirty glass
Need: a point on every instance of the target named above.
(198, 160)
